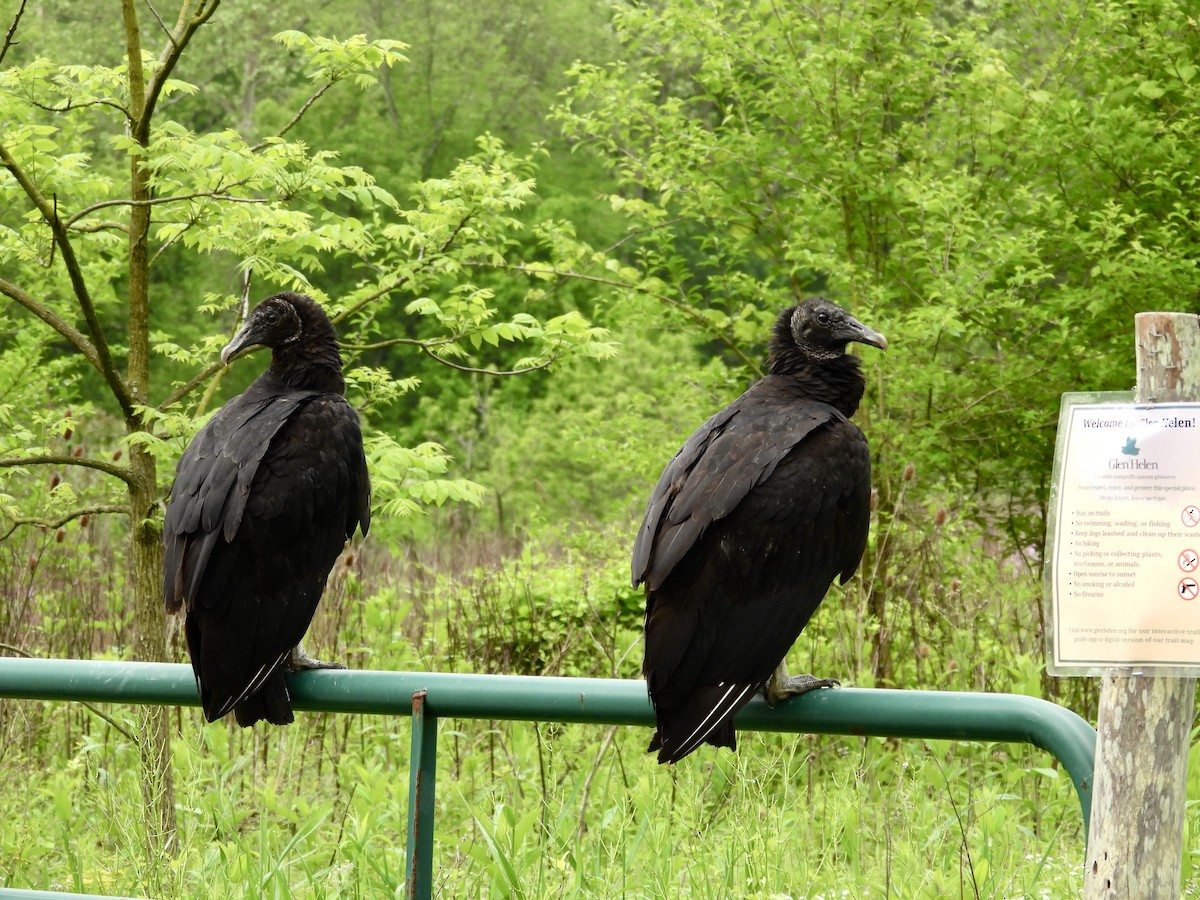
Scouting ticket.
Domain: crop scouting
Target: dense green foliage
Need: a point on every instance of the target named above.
(553, 235)
(999, 192)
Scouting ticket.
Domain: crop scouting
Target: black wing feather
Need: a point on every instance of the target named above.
(212, 483)
(717, 466)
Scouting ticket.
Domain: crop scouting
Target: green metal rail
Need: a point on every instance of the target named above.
(428, 696)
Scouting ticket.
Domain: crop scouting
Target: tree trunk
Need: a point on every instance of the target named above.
(1135, 844)
(149, 628)
(149, 618)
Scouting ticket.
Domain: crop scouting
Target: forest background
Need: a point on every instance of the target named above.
(553, 236)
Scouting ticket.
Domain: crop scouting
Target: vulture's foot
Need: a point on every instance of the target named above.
(299, 661)
(781, 685)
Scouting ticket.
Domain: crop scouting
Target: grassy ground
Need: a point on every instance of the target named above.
(546, 811)
(319, 809)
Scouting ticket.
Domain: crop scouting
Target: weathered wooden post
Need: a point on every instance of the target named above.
(1135, 845)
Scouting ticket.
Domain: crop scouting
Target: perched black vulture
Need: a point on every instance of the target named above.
(265, 497)
(748, 526)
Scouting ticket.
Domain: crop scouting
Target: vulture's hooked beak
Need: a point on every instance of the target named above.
(857, 331)
(247, 338)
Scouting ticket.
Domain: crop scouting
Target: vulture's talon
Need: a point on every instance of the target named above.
(299, 661)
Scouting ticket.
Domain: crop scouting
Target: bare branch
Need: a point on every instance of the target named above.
(82, 461)
(102, 509)
(12, 30)
(297, 117)
(77, 338)
(474, 371)
(244, 306)
(78, 104)
(191, 384)
(107, 225)
(159, 201)
(395, 342)
(168, 244)
(161, 24)
(192, 15)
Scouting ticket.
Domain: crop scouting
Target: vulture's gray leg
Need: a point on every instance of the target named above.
(298, 661)
(781, 685)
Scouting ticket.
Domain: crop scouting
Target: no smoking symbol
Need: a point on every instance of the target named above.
(1188, 560)
(1188, 588)
(1191, 516)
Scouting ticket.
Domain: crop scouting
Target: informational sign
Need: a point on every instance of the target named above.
(1123, 545)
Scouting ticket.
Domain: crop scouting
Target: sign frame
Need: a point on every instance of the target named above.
(1076, 645)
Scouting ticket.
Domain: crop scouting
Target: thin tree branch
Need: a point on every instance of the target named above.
(161, 24)
(191, 384)
(394, 342)
(77, 338)
(159, 201)
(169, 243)
(297, 117)
(12, 30)
(101, 358)
(82, 461)
(192, 15)
(400, 282)
(78, 104)
(96, 227)
(103, 509)
(638, 232)
(370, 298)
(445, 362)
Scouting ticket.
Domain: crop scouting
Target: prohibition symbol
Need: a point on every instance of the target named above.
(1188, 588)
(1191, 516)
(1189, 560)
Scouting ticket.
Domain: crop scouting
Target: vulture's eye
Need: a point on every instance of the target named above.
(823, 318)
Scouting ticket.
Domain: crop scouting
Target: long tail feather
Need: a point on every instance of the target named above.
(705, 717)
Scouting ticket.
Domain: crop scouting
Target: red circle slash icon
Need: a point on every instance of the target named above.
(1189, 560)
(1188, 588)
(1191, 516)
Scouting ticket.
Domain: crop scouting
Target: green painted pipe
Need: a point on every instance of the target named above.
(885, 713)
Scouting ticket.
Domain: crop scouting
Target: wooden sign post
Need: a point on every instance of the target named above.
(1135, 845)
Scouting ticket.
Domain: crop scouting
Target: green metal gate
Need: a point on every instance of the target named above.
(429, 696)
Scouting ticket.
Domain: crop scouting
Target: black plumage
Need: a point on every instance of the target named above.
(265, 497)
(763, 506)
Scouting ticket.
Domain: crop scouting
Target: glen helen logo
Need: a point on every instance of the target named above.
(1130, 451)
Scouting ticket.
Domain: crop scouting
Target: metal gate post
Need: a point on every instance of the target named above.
(422, 782)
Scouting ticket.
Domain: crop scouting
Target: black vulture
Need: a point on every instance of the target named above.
(265, 498)
(763, 506)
